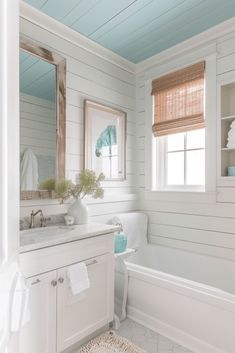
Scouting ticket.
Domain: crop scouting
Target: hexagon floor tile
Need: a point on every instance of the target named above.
(149, 340)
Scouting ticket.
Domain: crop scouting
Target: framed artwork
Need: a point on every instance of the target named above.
(105, 140)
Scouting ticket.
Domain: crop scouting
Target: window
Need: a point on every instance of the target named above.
(183, 160)
(179, 128)
(109, 157)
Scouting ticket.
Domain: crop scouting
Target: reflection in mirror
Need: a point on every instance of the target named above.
(42, 119)
(37, 121)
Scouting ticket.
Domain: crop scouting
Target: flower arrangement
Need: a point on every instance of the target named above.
(87, 183)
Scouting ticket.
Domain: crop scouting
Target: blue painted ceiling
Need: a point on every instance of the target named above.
(37, 77)
(137, 29)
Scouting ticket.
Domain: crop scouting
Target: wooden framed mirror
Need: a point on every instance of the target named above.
(42, 118)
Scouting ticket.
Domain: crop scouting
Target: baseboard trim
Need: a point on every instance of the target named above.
(171, 332)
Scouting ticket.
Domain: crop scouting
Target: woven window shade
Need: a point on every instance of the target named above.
(179, 101)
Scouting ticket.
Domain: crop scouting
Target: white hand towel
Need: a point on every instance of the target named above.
(7, 281)
(78, 278)
(29, 171)
(20, 313)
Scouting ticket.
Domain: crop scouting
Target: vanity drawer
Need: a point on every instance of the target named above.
(54, 257)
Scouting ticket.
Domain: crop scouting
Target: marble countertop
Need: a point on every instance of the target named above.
(39, 238)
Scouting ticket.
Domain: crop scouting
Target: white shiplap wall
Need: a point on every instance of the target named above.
(198, 223)
(37, 125)
(90, 76)
(194, 223)
(38, 132)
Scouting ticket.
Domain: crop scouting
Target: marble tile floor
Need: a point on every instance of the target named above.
(149, 340)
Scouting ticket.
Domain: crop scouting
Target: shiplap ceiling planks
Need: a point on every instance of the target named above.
(37, 77)
(137, 29)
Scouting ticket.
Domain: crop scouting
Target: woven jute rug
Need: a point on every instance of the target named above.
(110, 342)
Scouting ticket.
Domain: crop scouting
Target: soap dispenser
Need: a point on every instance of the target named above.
(120, 241)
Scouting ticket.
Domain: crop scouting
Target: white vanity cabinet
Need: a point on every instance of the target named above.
(39, 334)
(60, 319)
(80, 315)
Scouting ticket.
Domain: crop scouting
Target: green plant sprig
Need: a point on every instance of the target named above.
(87, 183)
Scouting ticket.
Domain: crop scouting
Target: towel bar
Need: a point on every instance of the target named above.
(89, 263)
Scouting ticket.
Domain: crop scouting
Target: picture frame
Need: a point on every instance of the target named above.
(105, 140)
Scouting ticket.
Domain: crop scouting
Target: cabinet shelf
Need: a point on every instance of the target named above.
(227, 177)
(227, 149)
(228, 118)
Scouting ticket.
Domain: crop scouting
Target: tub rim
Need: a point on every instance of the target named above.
(202, 292)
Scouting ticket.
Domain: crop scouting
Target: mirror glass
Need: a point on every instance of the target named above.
(38, 121)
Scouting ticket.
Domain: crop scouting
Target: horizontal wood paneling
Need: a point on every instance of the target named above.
(194, 247)
(226, 64)
(215, 224)
(219, 210)
(76, 98)
(102, 78)
(38, 109)
(97, 90)
(199, 226)
(203, 223)
(88, 77)
(37, 132)
(112, 204)
(218, 239)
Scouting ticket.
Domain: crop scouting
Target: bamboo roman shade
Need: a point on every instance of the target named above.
(179, 101)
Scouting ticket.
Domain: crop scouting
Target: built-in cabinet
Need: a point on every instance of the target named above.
(226, 115)
(60, 319)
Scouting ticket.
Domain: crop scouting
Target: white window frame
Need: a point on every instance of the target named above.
(209, 191)
(161, 167)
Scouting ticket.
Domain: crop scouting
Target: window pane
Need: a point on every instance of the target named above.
(175, 168)
(195, 167)
(196, 139)
(109, 161)
(105, 151)
(175, 142)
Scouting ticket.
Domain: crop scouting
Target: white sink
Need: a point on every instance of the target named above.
(37, 235)
(38, 238)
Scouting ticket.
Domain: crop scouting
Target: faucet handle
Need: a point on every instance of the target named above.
(43, 221)
(21, 224)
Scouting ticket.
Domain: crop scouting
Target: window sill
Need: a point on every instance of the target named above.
(199, 196)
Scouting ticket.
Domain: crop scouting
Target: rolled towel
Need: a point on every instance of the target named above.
(78, 278)
(134, 225)
(230, 144)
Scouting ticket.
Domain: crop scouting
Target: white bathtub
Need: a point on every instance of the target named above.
(188, 297)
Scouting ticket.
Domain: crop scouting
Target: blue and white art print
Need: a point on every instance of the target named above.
(105, 140)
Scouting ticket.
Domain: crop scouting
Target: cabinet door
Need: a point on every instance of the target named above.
(39, 334)
(82, 314)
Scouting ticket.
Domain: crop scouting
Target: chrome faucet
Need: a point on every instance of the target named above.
(32, 215)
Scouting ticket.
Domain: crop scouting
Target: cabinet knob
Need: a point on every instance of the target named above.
(61, 280)
(53, 283)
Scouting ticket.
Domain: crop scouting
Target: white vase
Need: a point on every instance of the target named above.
(79, 211)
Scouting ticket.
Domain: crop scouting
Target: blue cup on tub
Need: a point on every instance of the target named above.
(231, 170)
